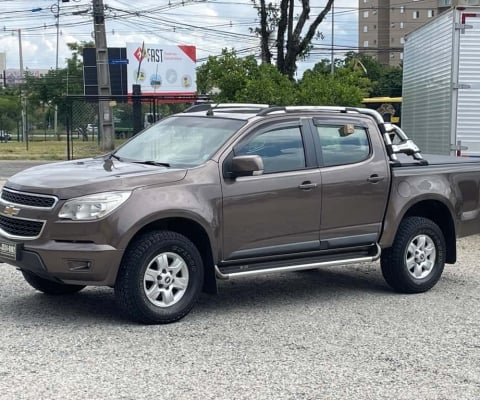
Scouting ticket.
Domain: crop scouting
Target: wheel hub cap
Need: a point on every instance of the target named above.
(421, 256)
(166, 279)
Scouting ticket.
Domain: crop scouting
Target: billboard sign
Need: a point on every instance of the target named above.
(162, 70)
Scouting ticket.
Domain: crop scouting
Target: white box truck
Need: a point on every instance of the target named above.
(441, 83)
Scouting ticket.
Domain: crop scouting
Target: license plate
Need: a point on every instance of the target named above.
(9, 250)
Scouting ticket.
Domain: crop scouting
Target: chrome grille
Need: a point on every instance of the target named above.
(28, 199)
(20, 227)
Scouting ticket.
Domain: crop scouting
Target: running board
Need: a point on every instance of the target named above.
(288, 268)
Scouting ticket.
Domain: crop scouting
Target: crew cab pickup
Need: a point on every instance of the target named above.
(225, 191)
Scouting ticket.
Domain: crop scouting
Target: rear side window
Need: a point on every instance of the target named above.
(340, 146)
(280, 148)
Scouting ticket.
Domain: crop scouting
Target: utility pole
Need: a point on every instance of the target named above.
(57, 23)
(22, 97)
(103, 78)
(332, 65)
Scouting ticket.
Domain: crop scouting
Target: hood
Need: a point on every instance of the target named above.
(81, 177)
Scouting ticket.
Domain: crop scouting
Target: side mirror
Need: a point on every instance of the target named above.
(246, 166)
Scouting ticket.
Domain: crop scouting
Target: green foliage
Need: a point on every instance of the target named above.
(389, 83)
(225, 76)
(9, 112)
(243, 81)
(340, 89)
(268, 86)
(386, 81)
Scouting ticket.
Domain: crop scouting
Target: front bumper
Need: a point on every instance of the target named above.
(62, 250)
(69, 262)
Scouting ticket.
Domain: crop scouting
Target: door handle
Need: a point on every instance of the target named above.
(375, 178)
(307, 185)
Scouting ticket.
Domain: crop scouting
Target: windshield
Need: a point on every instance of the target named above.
(179, 141)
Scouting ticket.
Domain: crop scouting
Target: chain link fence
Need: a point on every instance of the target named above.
(130, 114)
(73, 129)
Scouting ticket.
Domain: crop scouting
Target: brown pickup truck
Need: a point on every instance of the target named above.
(233, 190)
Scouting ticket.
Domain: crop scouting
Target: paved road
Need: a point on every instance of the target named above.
(334, 333)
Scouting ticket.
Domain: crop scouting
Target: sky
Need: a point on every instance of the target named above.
(210, 25)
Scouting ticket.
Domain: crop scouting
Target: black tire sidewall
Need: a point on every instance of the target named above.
(161, 242)
(394, 266)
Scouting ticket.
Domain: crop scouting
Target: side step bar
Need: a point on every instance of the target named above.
(299, 267)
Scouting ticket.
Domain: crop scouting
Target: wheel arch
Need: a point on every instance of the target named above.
(193, 231)
(439, 213)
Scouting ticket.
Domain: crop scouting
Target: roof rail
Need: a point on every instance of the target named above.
(198, 107)
(227, 107)
(367, 111)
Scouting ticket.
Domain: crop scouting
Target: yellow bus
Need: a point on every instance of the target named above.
(389, 107)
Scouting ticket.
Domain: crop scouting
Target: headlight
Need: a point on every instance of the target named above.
(92, 207)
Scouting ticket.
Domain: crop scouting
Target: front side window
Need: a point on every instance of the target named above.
(281, 149)
(340, 145)
(182, 141)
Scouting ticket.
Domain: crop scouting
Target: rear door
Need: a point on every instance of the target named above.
(355, 181)
(277, 212)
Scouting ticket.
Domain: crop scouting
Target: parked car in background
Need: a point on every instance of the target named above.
(91, 128)
(4, 136)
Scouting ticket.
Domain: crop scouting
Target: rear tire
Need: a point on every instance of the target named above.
(50, 287)
(416, 260)
(160, 278)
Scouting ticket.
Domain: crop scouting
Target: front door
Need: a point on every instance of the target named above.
(277, 212)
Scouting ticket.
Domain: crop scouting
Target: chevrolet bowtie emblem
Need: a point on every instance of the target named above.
(11, 210)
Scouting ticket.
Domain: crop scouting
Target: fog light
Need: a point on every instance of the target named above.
(79, 265)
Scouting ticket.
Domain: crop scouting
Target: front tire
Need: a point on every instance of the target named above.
(416, 260)
(50, 287)
(160, 278)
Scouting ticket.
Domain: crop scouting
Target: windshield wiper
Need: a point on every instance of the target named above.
(151, 162)
(112, 155)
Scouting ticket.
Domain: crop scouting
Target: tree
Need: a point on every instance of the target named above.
(389, 83)
(293, 36)
(369, 65)
(10, 111)
(268, 86)
(344, 88)
(225, 76)
(242, 80)
(386, 81)
(50, 90)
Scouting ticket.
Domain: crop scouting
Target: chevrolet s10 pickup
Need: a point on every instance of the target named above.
(224, 191)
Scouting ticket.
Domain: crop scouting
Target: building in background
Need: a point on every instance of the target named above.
(383, 24)
(13, 76)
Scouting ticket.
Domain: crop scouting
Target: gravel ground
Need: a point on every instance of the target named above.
(333, 333)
